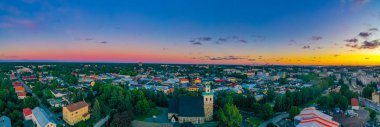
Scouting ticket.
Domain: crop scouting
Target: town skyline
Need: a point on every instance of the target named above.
(339, 32)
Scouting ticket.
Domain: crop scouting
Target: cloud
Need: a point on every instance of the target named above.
(365, 45)
(353, 40)
(223, 58)
(243, 41)
(292, 42)
(88, 39)
(10, 9)
(306, 47)
(199, 40)
(196, 43)
(21, 22)
(370, 44)
(357, 4)
(251, 59)
(316, 38)
(373, 29)
(103, 42)
(364, 34)
(336, 55)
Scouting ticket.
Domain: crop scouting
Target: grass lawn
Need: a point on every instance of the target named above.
(155, 112)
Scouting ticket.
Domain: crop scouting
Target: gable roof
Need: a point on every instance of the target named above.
(27, 111)
(41, 116)
(187, 106)
(75, 106)
(354, 102)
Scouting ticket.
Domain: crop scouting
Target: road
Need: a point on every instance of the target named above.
(370, 104)
(52, 115)
(275, 119)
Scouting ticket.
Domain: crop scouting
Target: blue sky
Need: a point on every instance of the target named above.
(251, 28)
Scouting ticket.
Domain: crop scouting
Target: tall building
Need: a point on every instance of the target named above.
(208, 98)
(376, 97)
(193, 109)
(76, 112)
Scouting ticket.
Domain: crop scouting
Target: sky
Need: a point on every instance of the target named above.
(281, 32)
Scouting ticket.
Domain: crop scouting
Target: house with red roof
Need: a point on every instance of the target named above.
(21, 95)
(355, 104)
(310, 117)
(27, 113)
(16, 84)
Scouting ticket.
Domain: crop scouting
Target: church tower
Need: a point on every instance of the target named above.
(208, 99)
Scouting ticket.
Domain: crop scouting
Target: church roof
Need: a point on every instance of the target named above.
(187, 106)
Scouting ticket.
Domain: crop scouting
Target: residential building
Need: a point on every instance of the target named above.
(58, 93)
(354, 104)
(310, 117)
(376, 97)
(21, 95)
(27, 113)
(193, 88)
(5, 121)
(76, 112)
(41, 118)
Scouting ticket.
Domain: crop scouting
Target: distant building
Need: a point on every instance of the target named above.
(20, 89)
(58, 93)
(76, 112)
(310, 117)
(21, 95)
(5, 121)
(184, 80)
(193, 88)
(197, 81)
(195, 109)
(354, 104)
(41, 118)
(376, 97)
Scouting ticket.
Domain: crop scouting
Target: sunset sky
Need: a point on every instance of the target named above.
(286, 32)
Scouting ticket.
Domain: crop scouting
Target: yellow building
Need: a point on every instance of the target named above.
(197, 81)
(193, 88)
(92, 83)
(76, 112)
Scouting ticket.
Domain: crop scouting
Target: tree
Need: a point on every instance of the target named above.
(343, 103)
(367, 92)
(123, 119)
(96, 110)
(142, 107)
(372, 114)
(229, 115)
(30, 102)
(294, 111)
(266, 111)
(270, 95)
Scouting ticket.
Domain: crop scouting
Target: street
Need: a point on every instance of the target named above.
(370, 104)
(52, 115)
(275, 119)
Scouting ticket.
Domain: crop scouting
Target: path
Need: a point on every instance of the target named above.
(274, 119)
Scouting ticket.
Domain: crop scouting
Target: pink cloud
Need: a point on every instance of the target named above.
(23, 22)
(10, 9)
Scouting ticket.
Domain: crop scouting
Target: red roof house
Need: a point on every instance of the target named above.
(355, 104)
(27, 113)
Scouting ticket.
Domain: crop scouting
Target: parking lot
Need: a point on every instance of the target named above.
(347, 121)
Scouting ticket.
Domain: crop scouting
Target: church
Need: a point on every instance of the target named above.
(192, 109)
